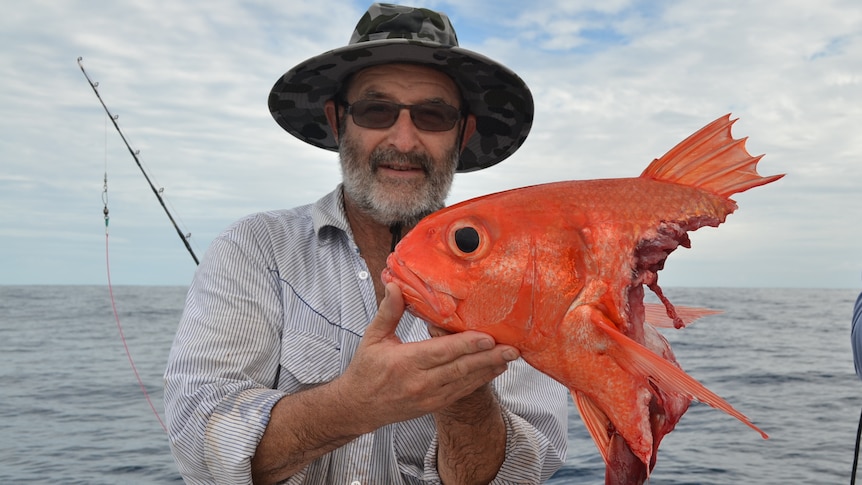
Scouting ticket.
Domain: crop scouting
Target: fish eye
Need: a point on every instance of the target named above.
(467, 239)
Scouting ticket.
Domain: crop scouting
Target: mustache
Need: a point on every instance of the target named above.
(393, 158)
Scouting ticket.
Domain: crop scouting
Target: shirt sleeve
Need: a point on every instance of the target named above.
(222, 364)
(535, 413)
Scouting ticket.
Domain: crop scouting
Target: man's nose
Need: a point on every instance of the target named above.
(403, 135)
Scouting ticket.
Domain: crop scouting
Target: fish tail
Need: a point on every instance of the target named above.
(712, 160)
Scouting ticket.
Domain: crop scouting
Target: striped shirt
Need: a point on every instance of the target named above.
(279, 304)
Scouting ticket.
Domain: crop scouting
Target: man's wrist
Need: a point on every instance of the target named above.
(471, 408)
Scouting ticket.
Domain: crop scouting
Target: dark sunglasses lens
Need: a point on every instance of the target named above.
(434, 116)
(374, 114)
(383, 114)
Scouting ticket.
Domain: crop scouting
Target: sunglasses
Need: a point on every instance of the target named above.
(377, 114)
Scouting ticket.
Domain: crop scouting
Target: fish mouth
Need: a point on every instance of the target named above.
(422, 300)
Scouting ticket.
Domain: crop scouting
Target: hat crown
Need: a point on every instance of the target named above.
(386, 21)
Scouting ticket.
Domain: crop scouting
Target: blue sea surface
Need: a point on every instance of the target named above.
(72, 412)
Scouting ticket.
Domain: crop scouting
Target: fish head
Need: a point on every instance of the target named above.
(464, 268)
(505, 264)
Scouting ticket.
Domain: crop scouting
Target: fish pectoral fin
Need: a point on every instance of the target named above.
(595, 420)
(656, 314)
(638, 360)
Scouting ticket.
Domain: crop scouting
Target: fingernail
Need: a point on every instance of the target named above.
(485, 344)
(510, 355)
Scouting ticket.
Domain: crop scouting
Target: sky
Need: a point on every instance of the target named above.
(615, 83)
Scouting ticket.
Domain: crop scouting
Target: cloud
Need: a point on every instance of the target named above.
(616, 84)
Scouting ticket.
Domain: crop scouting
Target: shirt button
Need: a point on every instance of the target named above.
(363, 275)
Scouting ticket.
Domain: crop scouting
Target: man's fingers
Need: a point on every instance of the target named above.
(410, 379)
(388, 315)
(467, 350)
(464, 375)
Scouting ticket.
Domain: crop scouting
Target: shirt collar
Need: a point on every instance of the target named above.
(329, 212)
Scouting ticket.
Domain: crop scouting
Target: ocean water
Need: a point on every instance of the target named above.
(72, 412)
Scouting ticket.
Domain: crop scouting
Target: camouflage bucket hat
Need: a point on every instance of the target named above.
(499, 99)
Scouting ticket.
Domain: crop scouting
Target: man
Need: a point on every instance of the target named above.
(292, 361)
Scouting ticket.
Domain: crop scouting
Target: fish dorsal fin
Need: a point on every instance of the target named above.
(712, 160)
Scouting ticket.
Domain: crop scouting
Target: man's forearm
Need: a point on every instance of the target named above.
(471, 439)
(302, 428)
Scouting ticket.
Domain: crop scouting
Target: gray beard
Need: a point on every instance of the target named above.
(404, 202)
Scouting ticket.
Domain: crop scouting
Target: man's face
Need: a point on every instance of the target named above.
(399, 173)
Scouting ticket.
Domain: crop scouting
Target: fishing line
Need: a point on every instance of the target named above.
(106, 212)
(117, 315)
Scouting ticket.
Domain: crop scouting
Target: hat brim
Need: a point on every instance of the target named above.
(500, 100)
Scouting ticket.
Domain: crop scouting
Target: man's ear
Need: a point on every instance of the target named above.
(331, 118)
(469, 129)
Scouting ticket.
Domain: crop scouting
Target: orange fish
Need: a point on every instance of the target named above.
(557, 270)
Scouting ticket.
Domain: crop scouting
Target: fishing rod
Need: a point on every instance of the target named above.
(856, 453)
(134, 153)
(856, 344)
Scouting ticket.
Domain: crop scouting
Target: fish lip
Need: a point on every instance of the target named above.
(419, 296)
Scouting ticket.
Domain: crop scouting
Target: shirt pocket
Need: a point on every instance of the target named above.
(308, 360)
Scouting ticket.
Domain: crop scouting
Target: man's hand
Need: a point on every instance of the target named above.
(387, 381)
(396, 381)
